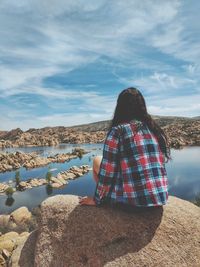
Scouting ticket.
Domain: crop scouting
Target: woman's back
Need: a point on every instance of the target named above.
(132, 169)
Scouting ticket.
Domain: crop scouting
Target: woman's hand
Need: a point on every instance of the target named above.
(89, 201)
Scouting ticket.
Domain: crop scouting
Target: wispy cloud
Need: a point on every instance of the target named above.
(73, 57)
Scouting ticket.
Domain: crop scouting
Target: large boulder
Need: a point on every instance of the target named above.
(74, 235)
(28, 260)
(21, 215)
(4, 220)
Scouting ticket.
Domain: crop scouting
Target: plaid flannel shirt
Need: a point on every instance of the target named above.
(132, 169)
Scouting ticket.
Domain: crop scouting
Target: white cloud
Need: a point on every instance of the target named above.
(192, 69)
(169, 38)
(155, 41)
(59, 119)
(160, 83)
(187, 106)
(180, 37)
(93, 107)
(48, 39)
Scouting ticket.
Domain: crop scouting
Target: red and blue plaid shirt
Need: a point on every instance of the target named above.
(132, 169)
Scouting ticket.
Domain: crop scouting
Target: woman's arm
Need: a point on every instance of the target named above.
(109, 166)
(107, 171)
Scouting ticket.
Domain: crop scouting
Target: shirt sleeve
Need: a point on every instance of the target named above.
(108, 166)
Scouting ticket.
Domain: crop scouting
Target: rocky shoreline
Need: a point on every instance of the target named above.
(48, 137)
(180, 131)
(58, 181)
(183, 134)
(15, 228)
(16, 160)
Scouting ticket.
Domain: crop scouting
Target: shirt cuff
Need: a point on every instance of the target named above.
(97, 201)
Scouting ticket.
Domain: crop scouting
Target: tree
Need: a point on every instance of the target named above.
(197, 199)
(9, 201)
(49, 189)
(9, 191)
(48, 176)
(17, 179)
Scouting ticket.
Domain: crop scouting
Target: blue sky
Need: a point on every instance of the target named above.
(64, 62)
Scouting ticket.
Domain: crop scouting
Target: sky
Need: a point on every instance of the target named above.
(64, 62)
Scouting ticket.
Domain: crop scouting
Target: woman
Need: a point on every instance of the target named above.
(132, 169)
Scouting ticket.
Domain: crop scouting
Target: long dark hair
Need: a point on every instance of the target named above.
(131, 105)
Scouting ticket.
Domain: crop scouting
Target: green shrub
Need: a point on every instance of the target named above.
(17, 178)
(48, 176)
(9, 191)
(78, 151)
(9, 201)
(49, 189)
(197, 200)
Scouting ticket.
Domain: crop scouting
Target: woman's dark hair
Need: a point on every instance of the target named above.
(131, 105)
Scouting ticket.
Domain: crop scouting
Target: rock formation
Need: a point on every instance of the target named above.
(12, 161)
(21, 215)
(10, 242)
(55, 182)
(74, 235)
(181, 132)
(3, 187)
(71, 174)
(14, 231)
(18, 220)
(48, 136)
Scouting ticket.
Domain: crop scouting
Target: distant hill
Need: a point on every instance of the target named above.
(196, 118)
(94, 126)
(181, 131)
(103, 125)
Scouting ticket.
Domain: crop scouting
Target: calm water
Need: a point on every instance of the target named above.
(183, 174)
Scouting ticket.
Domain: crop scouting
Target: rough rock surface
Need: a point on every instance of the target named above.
(20, 220)
(3, 187)
(74, 235)
(21, 215)
(183, 134)
(10, 244)
(22, 249)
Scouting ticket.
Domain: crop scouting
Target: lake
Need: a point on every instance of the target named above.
(183, 175)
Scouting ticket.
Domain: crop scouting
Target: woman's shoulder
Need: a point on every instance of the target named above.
(133, 125)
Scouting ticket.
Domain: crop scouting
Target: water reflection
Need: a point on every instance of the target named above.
(49, 189)
(9, 201)
(183, 174)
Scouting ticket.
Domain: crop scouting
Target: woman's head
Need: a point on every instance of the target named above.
(131, 106)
